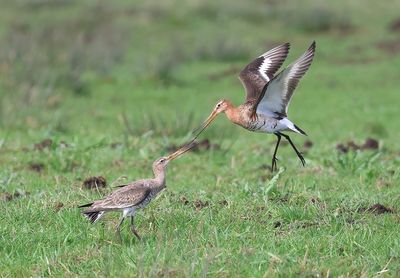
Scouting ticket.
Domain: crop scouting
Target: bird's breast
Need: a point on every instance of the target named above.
(263, 124)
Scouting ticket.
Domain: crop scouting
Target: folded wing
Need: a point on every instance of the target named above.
(122, 198)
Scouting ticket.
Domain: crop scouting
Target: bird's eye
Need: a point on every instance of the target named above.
(218, 105)
(162, 160)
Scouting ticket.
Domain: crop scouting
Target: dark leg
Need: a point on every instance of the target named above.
(133, 229)
(274, 159)
(295, 149)
(118, 231)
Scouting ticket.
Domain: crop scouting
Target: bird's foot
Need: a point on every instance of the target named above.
(135, 233)
(301, 157)
(274, 166)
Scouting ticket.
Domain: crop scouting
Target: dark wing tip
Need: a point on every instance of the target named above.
(287, 48)
(312, 46)
(282, 48)
(287, 45)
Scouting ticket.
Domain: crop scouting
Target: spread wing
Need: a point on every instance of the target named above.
(122, 198)
(276, 95)
(256, 74)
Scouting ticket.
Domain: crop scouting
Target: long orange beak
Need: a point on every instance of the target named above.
(181, 151)
(205, 124)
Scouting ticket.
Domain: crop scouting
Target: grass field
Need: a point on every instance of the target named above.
(99, 89)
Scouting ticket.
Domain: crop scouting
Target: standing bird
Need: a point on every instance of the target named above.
(267, 96)
(134, 195)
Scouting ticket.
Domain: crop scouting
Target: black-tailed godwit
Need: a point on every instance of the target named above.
(267, 96)
(135, 195)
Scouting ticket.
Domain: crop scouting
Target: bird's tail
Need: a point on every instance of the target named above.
(299, 130)
(93, 216)
(292, 126)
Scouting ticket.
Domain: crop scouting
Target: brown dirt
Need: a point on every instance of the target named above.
(302, 224)
(7, 197)
(115, 145)
(36, 167)
(342, 148)
(376, 209)
(58, 206)
(308, 144)
(390, 47)
(199, 204)
(369, 144)
(395, 25)
(45, 144)
(183, 200)
(94, 182)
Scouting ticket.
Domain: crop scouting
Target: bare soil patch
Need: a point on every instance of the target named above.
(36, 167)
(369, 144)
(94, 182)
(376, 209)
(45, 144)
(7, 197)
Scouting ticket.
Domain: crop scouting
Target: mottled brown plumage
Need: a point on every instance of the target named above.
(135, 195)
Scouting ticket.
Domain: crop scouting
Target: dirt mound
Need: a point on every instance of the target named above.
(94, 182)
(45, 144)
(369, 144)
(7, 197)
(376, 209)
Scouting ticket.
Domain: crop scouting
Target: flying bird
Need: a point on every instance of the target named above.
(135, 195)
(267, 96)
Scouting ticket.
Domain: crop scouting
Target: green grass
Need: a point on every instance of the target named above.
(113, 86)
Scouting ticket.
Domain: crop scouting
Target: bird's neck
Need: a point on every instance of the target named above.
(159, 177)
(233, 114)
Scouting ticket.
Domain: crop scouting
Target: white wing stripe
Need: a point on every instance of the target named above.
(280, 89)
(264, 66)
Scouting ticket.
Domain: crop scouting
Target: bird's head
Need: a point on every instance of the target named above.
(221, 106)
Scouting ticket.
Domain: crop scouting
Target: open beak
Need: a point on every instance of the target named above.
(206, 123)
(181, 151)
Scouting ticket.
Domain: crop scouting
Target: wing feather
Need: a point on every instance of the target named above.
(261, 70)
(276, 94)
(122, 198)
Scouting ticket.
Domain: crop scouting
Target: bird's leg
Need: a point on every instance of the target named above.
(118, 230)
(295, 149)
(133, 228)
(274, 159)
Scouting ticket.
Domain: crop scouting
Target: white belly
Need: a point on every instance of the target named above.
(267, 124)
